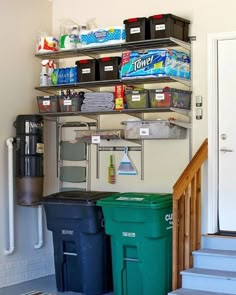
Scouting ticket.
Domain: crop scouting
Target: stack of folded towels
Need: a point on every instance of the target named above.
(98, 101)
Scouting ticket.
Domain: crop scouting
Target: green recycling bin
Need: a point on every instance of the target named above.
(140, 226)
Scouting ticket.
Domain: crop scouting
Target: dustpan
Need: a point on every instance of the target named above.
(126, 167)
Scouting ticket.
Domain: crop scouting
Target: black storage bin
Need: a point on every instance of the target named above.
(87, 70)
(82, 252)
(168, 25)
(109, 67)
(137, 29)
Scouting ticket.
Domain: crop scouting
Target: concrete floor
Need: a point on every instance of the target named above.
(45, 284)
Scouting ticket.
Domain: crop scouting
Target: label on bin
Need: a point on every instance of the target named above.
(144, 131)
(46, 103)
(129, 199)
(67, 102)
(160, 27)
(160, 96)
(136, 97)
(67, 232)
(108, 68)
(86, 71)
(135, 30)
(128, 234)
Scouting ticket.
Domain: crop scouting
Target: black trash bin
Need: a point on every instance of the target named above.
(82, 253)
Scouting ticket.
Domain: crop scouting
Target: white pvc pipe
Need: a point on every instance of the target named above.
(40, 228)
(9, 144)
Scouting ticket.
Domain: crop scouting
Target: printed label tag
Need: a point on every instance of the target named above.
(136, 97)
(96, 139)
(134, 30)
(40, 148)
(144, 131)
(67, 102)
(108, 68)
(67, 232)
(160, 96)
(160, 27)
(128, 234)
(46, 103)
(86, 71)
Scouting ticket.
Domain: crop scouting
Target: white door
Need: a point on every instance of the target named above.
(227, 135)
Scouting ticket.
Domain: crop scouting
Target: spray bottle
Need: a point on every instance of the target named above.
(44, 74)
(51, 67)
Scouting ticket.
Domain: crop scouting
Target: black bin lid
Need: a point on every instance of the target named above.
(84, 197)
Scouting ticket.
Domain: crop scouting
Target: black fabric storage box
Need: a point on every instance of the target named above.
(109, 67)
(137, 29)
(87, 70)
(168, 25)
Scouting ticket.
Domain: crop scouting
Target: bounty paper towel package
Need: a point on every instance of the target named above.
(155, 62)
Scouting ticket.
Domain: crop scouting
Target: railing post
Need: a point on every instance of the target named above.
(187, 215)
(175, 249)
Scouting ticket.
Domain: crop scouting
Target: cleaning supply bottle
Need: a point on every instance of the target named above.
(74, 36)
(44, 74)
(111, 171)
(51, 66)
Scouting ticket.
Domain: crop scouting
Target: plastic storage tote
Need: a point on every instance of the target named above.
(109, 67)
(168, 25)
(87, 70)
(81, 247)
(137, 29)
(140, 226)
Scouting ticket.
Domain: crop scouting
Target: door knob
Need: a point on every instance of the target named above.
(223, 136)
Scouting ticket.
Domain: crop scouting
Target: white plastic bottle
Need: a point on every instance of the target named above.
(74, 36)
(44, 74)
(83, 34)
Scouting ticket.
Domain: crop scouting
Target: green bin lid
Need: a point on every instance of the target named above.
(140, 200)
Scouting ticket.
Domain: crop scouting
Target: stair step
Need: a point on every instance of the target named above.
(209, 280)
(215, 259)
(218, 242)
(184, 291)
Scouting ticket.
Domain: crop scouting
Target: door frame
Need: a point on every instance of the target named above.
(213, 141)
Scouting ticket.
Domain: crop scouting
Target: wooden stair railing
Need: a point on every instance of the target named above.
(187, 215)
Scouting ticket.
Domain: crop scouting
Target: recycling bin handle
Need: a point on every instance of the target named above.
(131, 259)
(69, 254)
